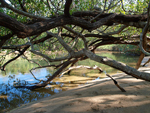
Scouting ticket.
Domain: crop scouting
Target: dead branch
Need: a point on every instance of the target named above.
(116, 83)
(81, 66)
(118, 65)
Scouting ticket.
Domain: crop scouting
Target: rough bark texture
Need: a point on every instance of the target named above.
(118, 65)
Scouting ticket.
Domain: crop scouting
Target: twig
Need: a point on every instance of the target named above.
(79, 34)
(25, 57)
(21, 53)
(39, 68)
(116, 83)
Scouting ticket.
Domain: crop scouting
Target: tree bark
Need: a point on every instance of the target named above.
(118, 65)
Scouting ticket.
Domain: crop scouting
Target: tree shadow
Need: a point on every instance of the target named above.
(101, 96)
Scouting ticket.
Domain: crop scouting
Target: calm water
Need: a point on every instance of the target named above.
(18, 74)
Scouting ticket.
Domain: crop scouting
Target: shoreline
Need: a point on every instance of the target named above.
(97, 96)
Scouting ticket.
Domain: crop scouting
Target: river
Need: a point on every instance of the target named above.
(17, 73)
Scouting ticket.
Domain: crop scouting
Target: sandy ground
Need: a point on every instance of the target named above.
(100, 96)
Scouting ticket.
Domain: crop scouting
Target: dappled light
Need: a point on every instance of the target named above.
(99, 96)
(77, 77)
(70, 44)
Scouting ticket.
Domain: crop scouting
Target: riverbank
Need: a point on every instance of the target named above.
(100, 96)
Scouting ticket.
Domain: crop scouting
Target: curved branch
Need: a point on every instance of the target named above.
(3, 39)
(78, 35)
(27, 44)
(50, 78)
(21, 53)
(23, 30)
(143, 34)
(118, 31)
(48, 58)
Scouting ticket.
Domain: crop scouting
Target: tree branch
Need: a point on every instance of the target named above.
(67, 8)
(61, 41)
(81, 66)
(50, 78)
(23, 30)
(143, 34)
(3, 39)
(118, 65)
(22, 6)
(21, 53)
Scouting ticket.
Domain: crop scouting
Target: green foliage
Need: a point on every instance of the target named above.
(56, 7)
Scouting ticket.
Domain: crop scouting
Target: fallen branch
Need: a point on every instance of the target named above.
(81, 66)
(116, 83)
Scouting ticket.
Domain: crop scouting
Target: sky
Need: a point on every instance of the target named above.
(7, 1)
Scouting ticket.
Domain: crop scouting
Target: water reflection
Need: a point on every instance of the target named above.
(18, 74)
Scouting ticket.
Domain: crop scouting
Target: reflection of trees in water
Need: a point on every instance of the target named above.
(18, 66)
(22, 66)
(11, 97)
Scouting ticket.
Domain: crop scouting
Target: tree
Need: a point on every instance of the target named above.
(75, 28)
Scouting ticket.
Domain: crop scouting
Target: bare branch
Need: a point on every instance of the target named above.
(20, 53)
(118, 65)
(61, 41)
(39, 68)
(24, 31)
(25, 57)
(116, 32)
(78, 34)
(81, 66)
